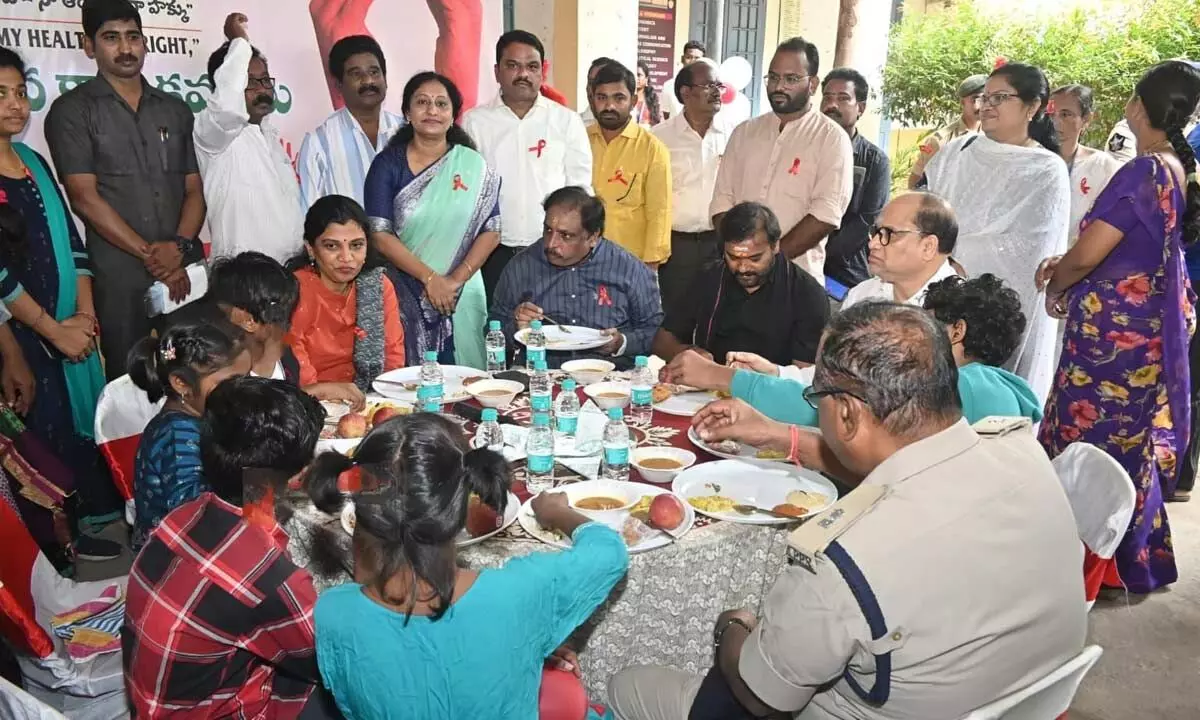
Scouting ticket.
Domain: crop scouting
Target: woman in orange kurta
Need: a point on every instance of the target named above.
(346, 329)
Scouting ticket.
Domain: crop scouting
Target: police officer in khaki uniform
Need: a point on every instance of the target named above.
(950, 577)
(968, 94)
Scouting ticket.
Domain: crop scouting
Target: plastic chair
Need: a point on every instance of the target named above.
(122, 413)
(1102, 498)
(16, 704)
(561, 696)
(1047, 698)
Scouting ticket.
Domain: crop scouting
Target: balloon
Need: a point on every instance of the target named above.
(736, 72)
(728, 93)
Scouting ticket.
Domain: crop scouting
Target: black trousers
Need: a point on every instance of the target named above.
(494, 266)
(690, 253)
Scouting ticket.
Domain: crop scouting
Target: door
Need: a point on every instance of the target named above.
(744, 22)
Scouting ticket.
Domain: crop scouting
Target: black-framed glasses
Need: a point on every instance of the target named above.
(996, 99)
(714, 85)
(813, 396)
(885, 233)
(266, 83)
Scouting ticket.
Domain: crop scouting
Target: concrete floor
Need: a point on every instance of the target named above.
(1150, 669)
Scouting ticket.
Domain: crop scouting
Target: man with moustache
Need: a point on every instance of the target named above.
(969, 92)
(253, 197)
(335, 157)
(755, 301)
(535, 144)
(696, 145)
(631, 169)
(844, 98)
(795, 161)
(123, 151)
(693, 51)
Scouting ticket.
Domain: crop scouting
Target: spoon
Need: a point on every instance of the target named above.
(751, 509)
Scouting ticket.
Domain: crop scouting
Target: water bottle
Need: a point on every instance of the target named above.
(489, 435)
(430, 394)
(641, 403)
(541, 389)
(539, 454)
(495, 343)
(616, 447)
(535, 345)
(566, 409)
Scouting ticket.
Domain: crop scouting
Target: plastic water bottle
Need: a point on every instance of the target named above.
(541, 389)
(641, 402)
(496, 344)
(489, 435)
(566, 409)
(616, 447)
(535, 345)
(539, 455)
(430, 393)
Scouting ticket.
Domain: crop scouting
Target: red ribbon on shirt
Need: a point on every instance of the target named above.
(541, 145)
(458, 183)
(795, 168)
(619, 176)
(603, 297)
(1084, 187)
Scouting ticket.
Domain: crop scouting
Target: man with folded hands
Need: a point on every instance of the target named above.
(577, 277)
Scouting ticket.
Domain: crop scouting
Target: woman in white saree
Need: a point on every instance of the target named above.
(1011, 192)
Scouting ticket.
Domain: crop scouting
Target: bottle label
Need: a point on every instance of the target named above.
(540, 464)
(495, 357)
(616, 456)
(567, 424)
(642, 396)
(535, 356)
(426, 392)
(540, 403)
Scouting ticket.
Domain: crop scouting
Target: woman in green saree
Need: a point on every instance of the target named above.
(434, 208)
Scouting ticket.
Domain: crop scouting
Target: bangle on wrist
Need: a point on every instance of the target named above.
(429, 279)
(719, 633)
(794, 449)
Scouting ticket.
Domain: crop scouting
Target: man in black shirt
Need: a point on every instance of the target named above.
(754, 300)
(843, 100)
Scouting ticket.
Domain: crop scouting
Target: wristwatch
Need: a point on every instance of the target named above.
(719, 631)
(185, 245)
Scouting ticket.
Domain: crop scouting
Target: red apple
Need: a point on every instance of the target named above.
(666, 512)
(384, 413)
(352, 425)
(481, 519)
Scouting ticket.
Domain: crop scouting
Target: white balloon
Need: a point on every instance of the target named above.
(736, 71)
(734, 113)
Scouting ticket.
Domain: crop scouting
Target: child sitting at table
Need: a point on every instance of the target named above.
(417, 634)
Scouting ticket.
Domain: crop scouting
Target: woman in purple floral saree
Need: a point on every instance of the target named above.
(1122, 382)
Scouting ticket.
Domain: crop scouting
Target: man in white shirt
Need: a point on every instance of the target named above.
(693, 50)
(251, 189)
(910, 249)
(537, 146)
(335, 157)
(696, 147)
(795, 161)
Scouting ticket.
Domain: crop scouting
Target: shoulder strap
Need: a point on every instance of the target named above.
(869, 604)
(967, 144)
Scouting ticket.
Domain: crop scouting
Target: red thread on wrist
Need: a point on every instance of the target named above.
(794, 451)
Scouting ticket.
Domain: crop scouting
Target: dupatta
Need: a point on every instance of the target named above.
(84, 380)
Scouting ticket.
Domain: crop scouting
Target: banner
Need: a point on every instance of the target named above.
(656, 39)
(455, 37)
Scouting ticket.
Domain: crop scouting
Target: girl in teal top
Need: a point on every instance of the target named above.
(418, 637)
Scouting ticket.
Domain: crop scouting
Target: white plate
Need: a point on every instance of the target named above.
(579, 338)
(334, 411)
(341, 445)
(751, 484)
(390, 384)
(746, 452)
(653, 542)
(685, 404)
(511, 509)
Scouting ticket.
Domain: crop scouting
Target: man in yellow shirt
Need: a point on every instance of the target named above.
(631, 169)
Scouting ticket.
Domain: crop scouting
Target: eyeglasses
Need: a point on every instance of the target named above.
(714, 85)
(813, 396)
(885, 233)
(996, 99)
(788, 80)
(266, 83)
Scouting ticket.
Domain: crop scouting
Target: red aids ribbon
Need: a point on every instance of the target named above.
(619, 176)
(1000, 62)
(603, 297)
(795, 168)
(458, 183)
(1084, 187)
(541, 145)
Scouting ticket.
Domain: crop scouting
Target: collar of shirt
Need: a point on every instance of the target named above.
(629, 132)
(924, 454)
(695, 161)
(389, 123)
(497, 105)
(599, 251)
(105, 88)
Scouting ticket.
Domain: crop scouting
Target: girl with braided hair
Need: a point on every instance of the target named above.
(1123, 381)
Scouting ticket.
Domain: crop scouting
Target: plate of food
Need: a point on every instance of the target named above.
(636, 510)
(714, 488)
(734, 450)
(568, 337)
(682, 400)
(353, 426)
(482, 521)
(402, 384)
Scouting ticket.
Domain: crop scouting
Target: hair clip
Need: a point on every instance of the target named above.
(168, 350)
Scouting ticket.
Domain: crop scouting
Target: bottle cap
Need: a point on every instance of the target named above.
(541, 420)
(641, 361)
(535, 325)
(540, 365)
(494, 325)
(489, 415)
(568, 384)
(431, 356)
(616, 414)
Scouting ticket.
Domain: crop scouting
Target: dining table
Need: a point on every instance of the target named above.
(661, 613)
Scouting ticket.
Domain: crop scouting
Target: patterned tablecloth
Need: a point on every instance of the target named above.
(662, 612)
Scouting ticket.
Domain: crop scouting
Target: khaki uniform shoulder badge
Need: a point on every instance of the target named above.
(808, 541)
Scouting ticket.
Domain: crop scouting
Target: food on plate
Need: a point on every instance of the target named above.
(660, 463)
(666, 512)
(481, 519)
(383, 413)
(712, 503)
(412, 387)
(662, 393)
(611, 395)
(634, 531)
(720, 394)
(790, 510)
(599, 502)
(498, 392)
(806, 499)
(770, 455)
(728, 447)
(641, 510)
(473, 379)
(352, 425)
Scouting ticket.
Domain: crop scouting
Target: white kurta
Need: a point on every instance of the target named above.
(1089, 176)
(1013, 205)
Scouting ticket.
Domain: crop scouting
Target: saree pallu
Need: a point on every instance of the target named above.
(1122, 382)
(438, 214)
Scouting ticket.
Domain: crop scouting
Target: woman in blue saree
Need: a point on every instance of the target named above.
(434, 208)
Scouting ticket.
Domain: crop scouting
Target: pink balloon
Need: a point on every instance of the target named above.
(727, 93)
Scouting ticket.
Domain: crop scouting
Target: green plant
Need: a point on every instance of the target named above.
(930, 53)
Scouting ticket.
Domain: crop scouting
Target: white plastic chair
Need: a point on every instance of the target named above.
(1047, 698)
(1102, 498)
(16, 704)
(122, 413)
